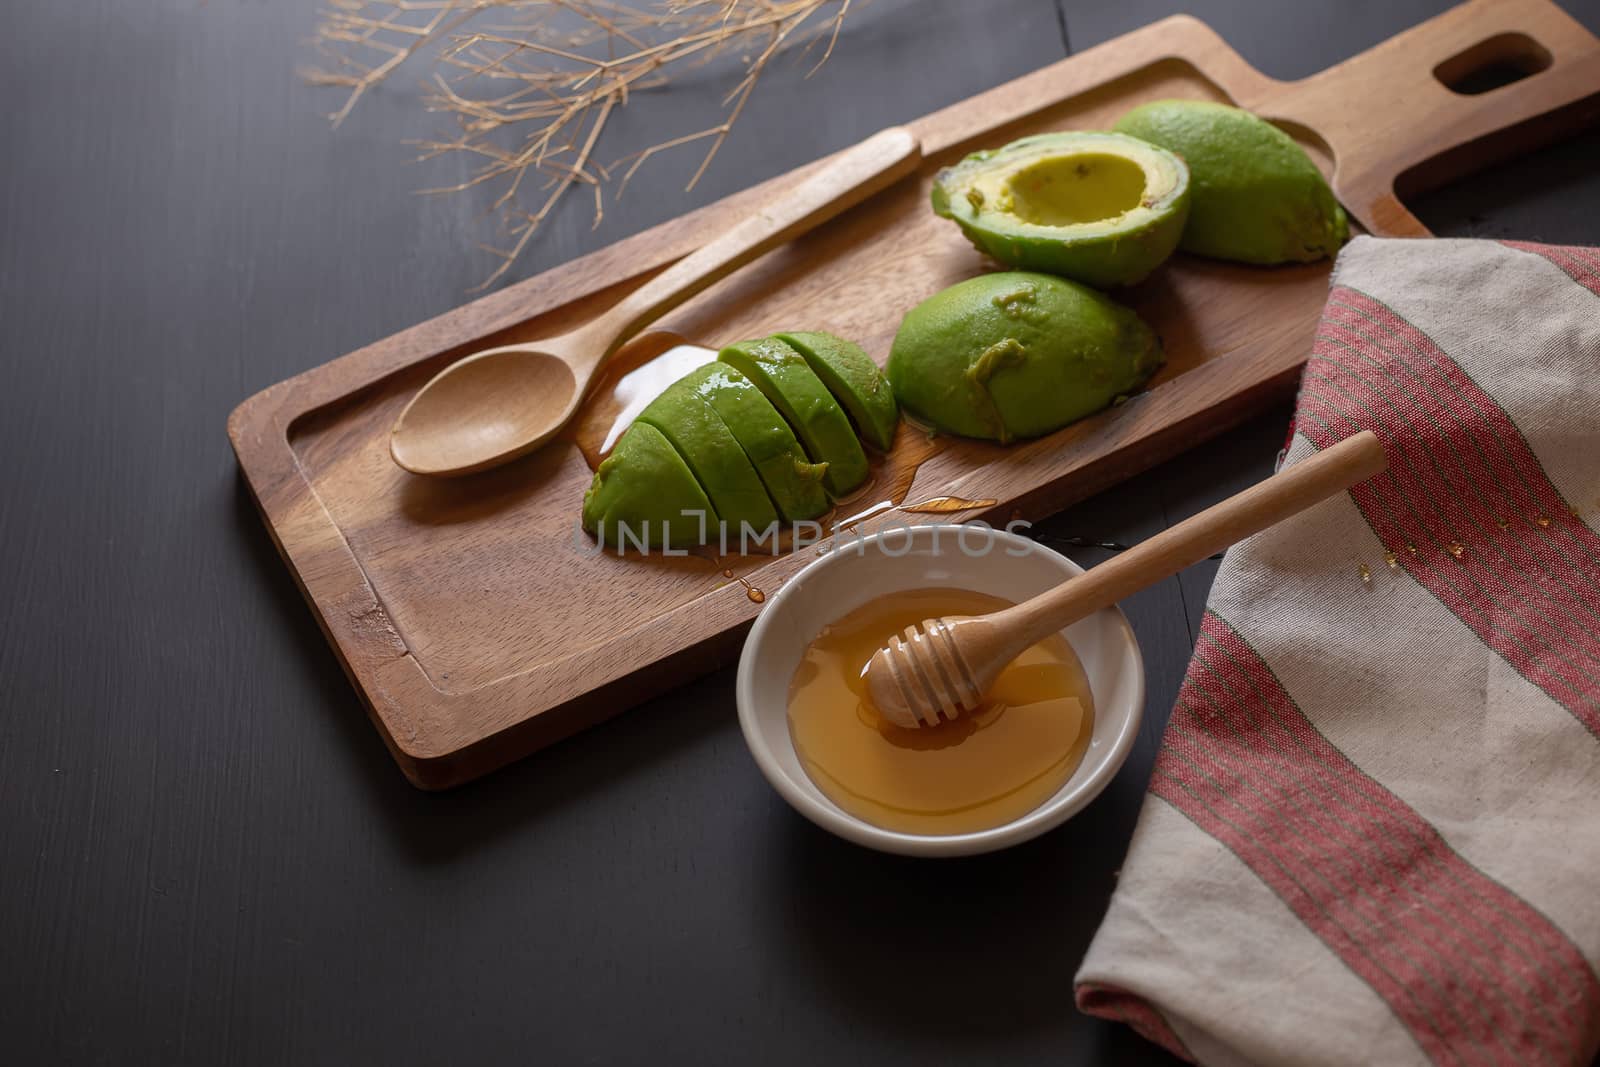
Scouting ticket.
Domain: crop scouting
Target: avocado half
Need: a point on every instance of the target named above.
(1017, 354)
(1101, 208)
(1258, 198)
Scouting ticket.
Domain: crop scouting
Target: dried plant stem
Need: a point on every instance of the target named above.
(532, 93)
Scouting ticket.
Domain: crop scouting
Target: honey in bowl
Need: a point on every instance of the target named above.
(984, 769)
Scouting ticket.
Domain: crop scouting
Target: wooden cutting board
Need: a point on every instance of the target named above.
(466, 612)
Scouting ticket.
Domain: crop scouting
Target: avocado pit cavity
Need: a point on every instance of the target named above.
(1101, 208)
(1073, 190)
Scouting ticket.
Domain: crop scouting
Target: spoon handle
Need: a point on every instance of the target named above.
(1264, 504)
(851, 177)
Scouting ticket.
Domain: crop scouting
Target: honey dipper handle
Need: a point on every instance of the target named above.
(1264, 504)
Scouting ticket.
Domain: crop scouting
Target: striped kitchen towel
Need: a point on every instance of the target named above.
(1373, 831)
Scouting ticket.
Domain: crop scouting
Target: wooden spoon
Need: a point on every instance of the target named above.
(496, 405)
(947, 665)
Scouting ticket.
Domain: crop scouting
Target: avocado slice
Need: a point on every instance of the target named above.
(645, 484)
(713, 454)
(793, 481)
(1018, 354)
(1257, 196)
(1102, 208)
(799, 395)
(855, 382)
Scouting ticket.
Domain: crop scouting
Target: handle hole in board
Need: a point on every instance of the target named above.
(1493, 64)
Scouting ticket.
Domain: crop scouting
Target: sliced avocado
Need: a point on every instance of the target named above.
(799, 395)
(645, 485)
(793, 481)
(1257, 196)
(1098, 207)
(713, 454)
(855, 382)
(1016, 354)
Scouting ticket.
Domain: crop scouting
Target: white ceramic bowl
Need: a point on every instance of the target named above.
(1013, 567)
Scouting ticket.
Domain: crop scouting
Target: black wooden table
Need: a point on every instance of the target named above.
(206, 855)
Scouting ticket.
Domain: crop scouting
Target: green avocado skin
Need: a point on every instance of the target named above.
(855, 382)
(1256, 197)
(713, 454)
(793, 482)
(815, 416)
(1018, 354)
(665, 516)
(1106, 259)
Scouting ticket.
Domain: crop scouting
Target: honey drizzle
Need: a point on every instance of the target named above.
(639, 372)
(943, 505)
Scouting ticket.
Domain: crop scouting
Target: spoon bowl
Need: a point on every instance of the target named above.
(520, 397)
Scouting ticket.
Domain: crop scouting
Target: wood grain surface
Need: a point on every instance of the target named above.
(424, 587)
(208, 855)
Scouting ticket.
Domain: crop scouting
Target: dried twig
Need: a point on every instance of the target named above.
(530, 84)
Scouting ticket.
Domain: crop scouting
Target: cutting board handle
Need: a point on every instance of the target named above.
(1388, 109)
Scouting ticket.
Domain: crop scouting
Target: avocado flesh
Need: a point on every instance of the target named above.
(817, 419)
(1100, 208)
(855, 382)
(1257, 197)
(645, 484)
(793, 482)
(1018, 354)
(712, 454)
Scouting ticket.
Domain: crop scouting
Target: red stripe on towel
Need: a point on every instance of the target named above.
(1465, 506)
(1582, 265)
(1473, 972)
(1119, 1005)
(1525, 490)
